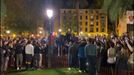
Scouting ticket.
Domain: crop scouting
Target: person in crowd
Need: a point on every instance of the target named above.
(6, 55)
(91, 53)
(60, 43)
(40, 55)
(19, 54)
(111, 54)
(72, 55)
(82, 56)
(37, 55)
(118, 50)
(100, 48)
(45, 53)
(2, 51)
(29, 51)
(12, 53)
(123, 58)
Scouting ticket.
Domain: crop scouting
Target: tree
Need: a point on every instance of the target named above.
(22, 15)
(116, 9)
(69, 22)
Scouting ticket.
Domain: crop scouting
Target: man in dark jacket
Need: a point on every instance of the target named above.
(82, 56)
(37, 55)
(72, 54)
(91, 53)
(19, 54)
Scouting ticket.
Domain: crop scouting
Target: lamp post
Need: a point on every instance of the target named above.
(50, 47)
(50, 15)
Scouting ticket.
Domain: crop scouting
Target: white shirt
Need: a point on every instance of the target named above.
(29, 49)
(111, 60)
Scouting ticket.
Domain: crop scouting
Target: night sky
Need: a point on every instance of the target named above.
(27, 13)
(68, 3)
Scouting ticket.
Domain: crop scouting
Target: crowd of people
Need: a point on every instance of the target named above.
(85, 54)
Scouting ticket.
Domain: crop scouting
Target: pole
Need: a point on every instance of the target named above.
(49, 47)
(77, 13)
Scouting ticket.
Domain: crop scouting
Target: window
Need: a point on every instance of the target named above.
(86, 17)
(97, 29)
(86, 11)
(91, 22)
(81, 11)
(80, 17)
(96, 23)
(91, 30)
(102, 30)
(91, 12)
(86, 23)
(92, 17)
(97, 12)
(80, 23)
(69, 11)
(102, 18)
(86, 29)
(130, 27)
(80, 28)
(97, 17)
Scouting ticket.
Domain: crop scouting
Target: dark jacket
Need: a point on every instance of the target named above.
(37, 49)
(90, 49)
(81, 52)
(18, 49)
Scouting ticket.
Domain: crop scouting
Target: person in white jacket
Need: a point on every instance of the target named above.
(29, 51)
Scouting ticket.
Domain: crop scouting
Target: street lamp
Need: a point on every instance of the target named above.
(49, 13)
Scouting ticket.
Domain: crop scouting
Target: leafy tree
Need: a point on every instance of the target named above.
(22, 15)
(116, 9)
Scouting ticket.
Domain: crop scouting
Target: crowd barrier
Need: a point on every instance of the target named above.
(109, 71)
(62, 62)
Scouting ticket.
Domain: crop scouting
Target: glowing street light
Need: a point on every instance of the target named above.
(50, 13)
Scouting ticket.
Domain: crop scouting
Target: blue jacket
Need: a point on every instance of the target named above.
(81, 52)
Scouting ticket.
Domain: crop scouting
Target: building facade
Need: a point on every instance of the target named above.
(126, 23)
(90, 21)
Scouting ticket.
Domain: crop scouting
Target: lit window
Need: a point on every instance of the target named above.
(92, 17)
(92, 22)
